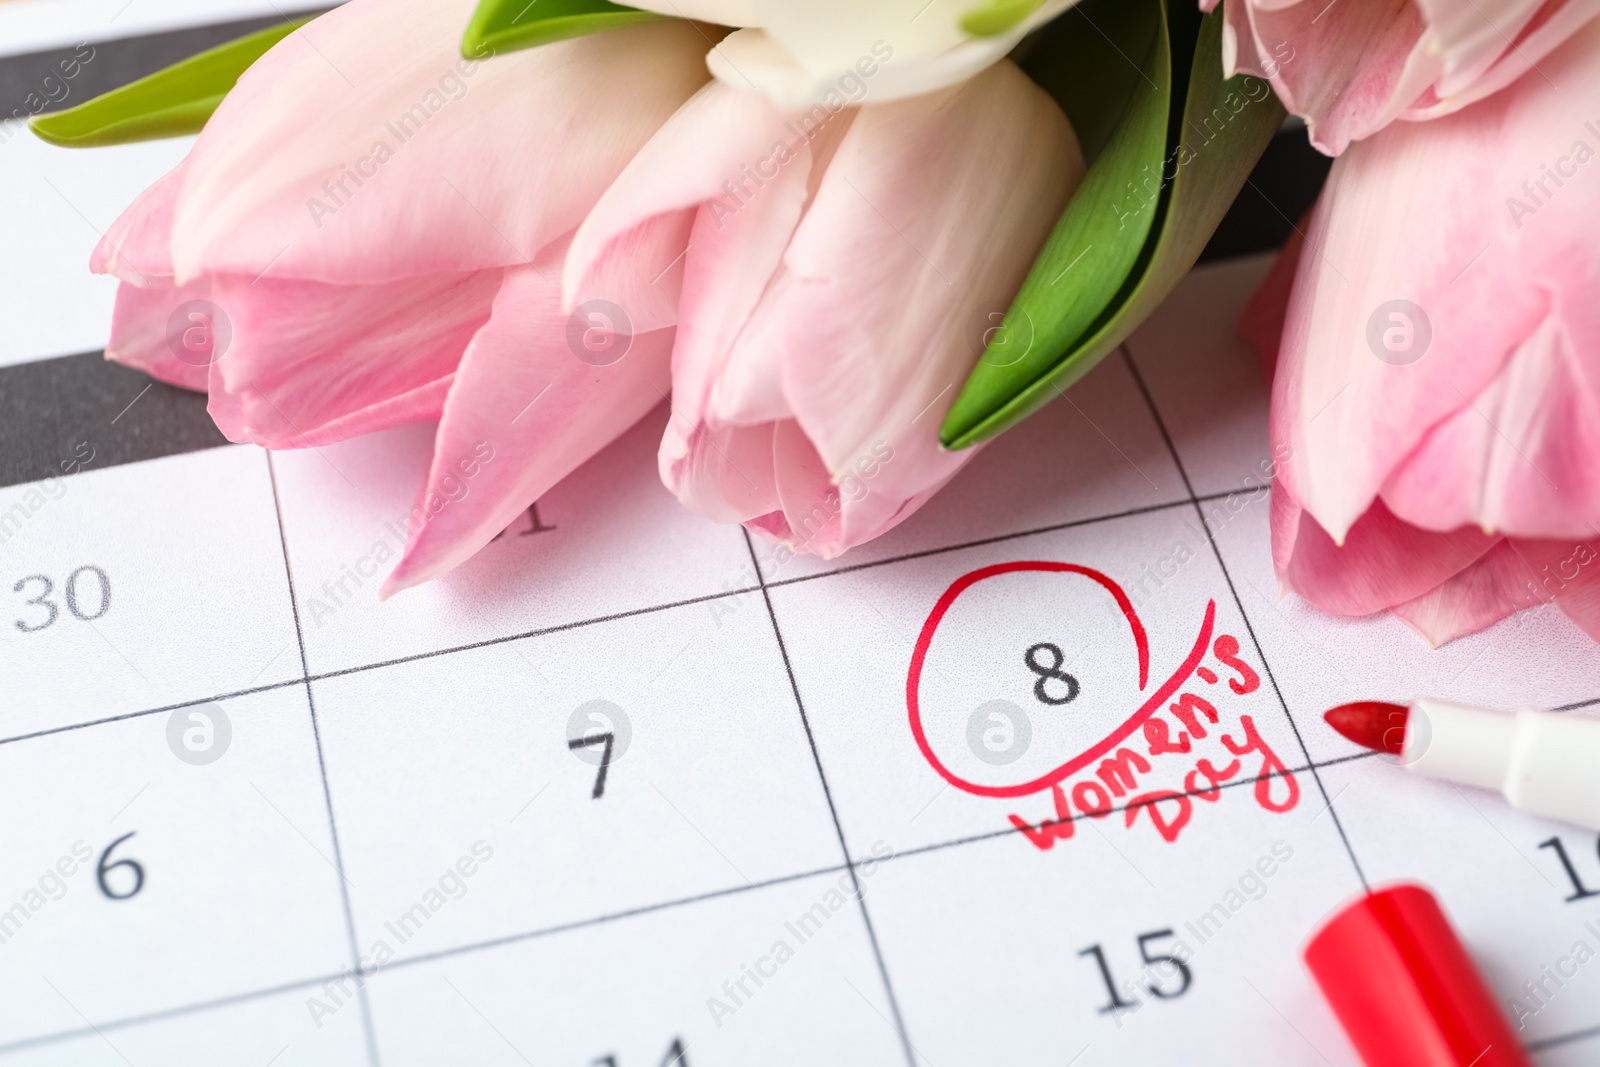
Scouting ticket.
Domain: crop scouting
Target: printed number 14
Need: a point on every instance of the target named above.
(676, 1057)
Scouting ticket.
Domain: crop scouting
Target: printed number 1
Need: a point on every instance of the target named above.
(1117, 1002)
(1579, 890)
(605, 758)
(535, 524)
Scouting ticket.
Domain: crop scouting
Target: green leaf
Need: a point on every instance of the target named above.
(995, 17)
(507, 25)
(168, 103)
(1099, 238)
(1091, 59)
(1208, 151)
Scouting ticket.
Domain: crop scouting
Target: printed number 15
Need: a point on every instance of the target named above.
(1117, 1002)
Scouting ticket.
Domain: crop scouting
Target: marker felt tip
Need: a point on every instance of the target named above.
(1543, 761)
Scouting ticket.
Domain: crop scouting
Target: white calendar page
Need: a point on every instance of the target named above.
(631, 789)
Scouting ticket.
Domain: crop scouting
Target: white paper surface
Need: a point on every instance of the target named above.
(399, 857)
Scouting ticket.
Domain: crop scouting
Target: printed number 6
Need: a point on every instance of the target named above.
(1183, 970)
(105, 868)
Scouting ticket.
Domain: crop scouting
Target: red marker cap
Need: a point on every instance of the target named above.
(1405, 989)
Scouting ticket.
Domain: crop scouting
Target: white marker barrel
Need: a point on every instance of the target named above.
(1543, 761)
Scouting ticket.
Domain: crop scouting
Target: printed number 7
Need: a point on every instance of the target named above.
(677, 1056)
(605, 758)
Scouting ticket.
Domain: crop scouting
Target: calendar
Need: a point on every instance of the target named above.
(1038, 777)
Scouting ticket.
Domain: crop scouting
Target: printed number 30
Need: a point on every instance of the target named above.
(73, 596)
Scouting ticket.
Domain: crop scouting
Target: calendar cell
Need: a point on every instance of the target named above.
(776, 976)
(1120, 950)
(1206, 382)
(608, 539)
(499, 790)
(125, 589)
(998, 729)
(142, 881)
(1523, 892)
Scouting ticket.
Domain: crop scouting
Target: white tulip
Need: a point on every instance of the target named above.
(804, 52)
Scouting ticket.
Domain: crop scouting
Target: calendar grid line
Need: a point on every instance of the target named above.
(1012, 831)
(308, 679)
(291, 682)
(1563, 1039)
(322, 772)
(360, 974)
(288, 683)
(163, 1014)
(855, 881)
(1147, 509)
(629, 613)
(610, 916)
(1216, 551)
(648, 909)
(593, 927)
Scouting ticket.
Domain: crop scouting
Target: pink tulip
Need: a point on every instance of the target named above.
(1350, 70)
(838, 265)
(370, 231)
(1437, 396)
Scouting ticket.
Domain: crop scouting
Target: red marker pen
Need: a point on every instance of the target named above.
(1543, 761)
(1404, 988)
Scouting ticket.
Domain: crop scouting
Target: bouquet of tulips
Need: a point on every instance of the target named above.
(848, 242)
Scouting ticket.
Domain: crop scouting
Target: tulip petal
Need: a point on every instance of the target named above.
(137, 247)
(1261, 322)
(1353, 74)
(710, 142)
(1470, 37)
(1382, 562)
(1567, 571)
(1498, 584)
(641, 273)
(725, 474)
(809, 514)
(1412, 238)
(139, 325)
(720, 12)
(826, 37)
(524, 412)
(749, 164)
(1551, 25)
(310, 363)
(850, 51)
(1349, 75)
(1519, 456)
(418, 161)
(873, 312)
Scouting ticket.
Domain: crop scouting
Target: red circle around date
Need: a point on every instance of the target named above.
(1099, 748)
